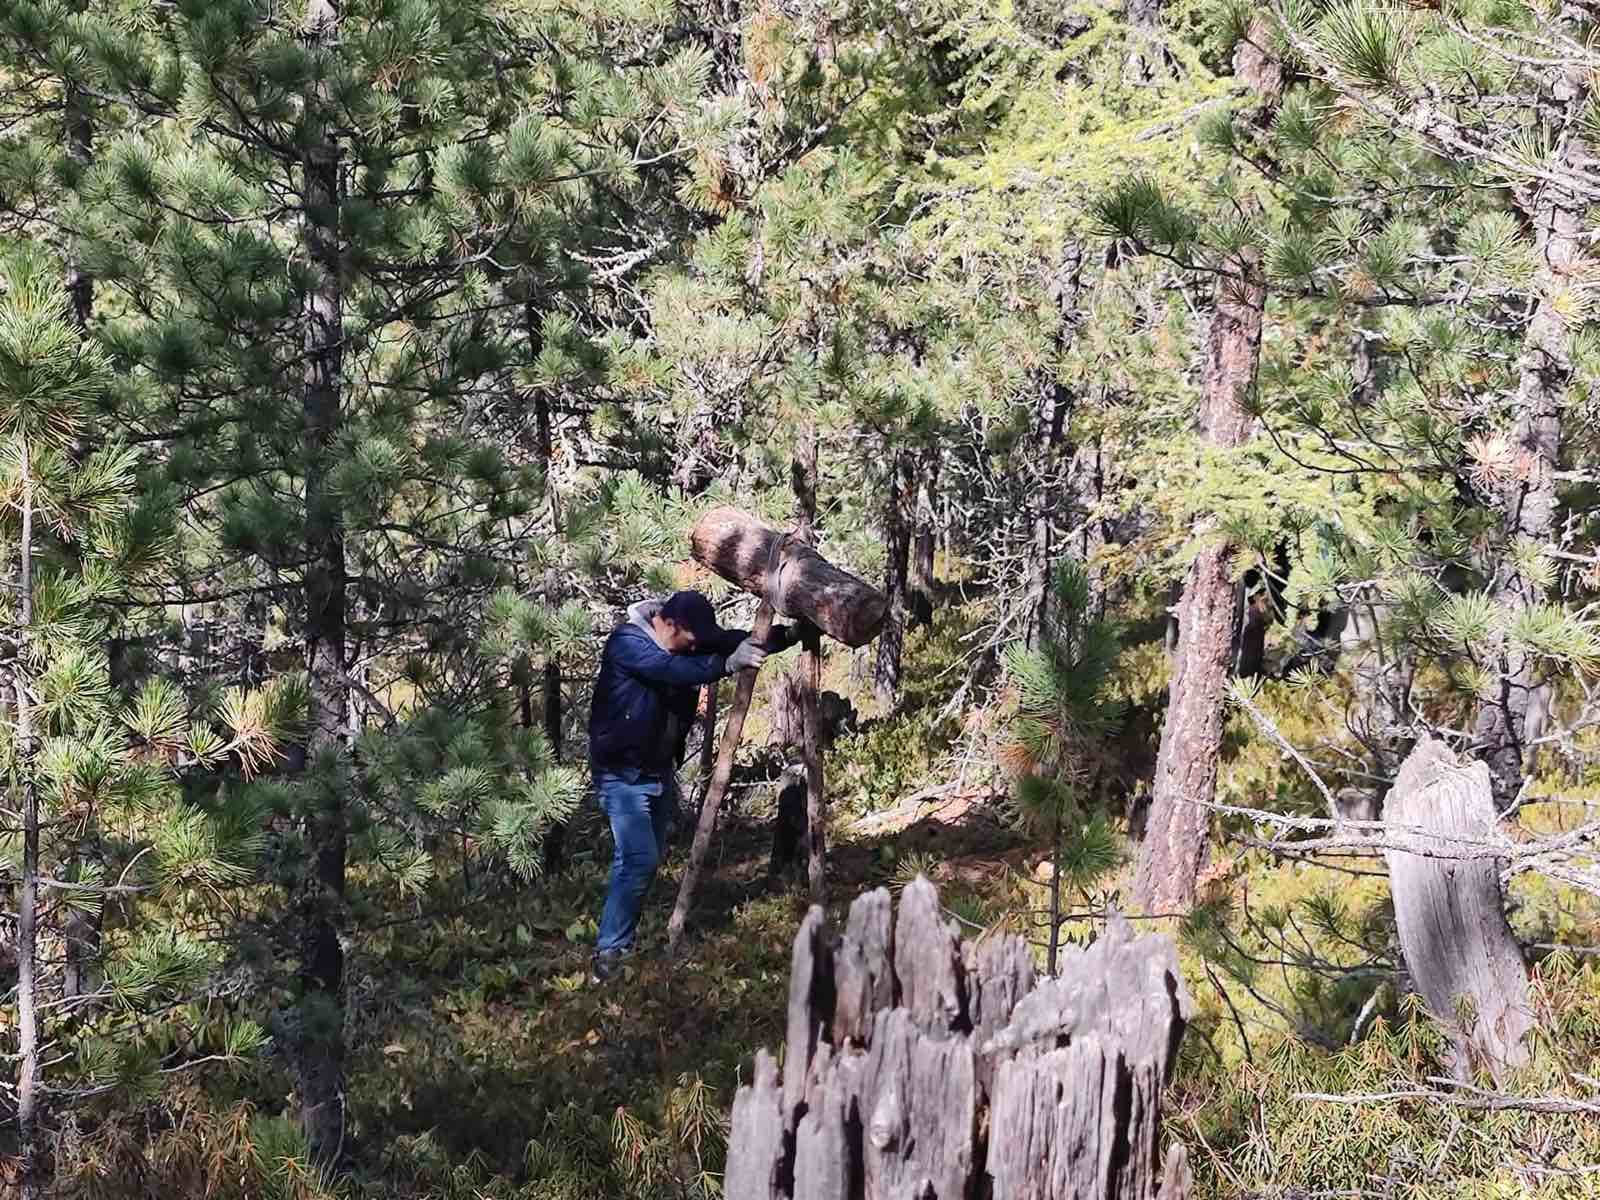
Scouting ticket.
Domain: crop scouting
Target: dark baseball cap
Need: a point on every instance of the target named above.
(693, 612)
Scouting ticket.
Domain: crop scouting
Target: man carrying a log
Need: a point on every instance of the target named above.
(651, 672)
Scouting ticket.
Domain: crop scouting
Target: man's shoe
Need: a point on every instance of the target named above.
(602, 967)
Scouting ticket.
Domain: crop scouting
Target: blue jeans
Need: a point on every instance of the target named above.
(639, 808)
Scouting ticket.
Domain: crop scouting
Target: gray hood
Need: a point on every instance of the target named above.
(643, 612)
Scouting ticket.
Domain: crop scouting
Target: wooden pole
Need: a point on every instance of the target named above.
(718, 787)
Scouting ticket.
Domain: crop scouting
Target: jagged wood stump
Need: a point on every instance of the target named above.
(918, 1067)
(1451, 918)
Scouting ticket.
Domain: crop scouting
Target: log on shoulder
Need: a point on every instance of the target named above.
(738, 547)
(1445, 880)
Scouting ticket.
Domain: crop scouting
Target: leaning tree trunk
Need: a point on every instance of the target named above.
(1174, 844)
(897, 542)
(1528, 498)
(918, 1066)
(320, 1048)
(1458, 947)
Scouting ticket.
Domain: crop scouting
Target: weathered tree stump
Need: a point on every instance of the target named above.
(1457, 943)
(918, 1067)
(738, 547)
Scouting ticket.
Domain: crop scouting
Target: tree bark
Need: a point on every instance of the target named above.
(924, 583)
(808, 673)
(1451, 918)
(738, 547)
(917, 1066)
(550, 692)
(320, 1050)
(81, 930)
(897, 539)
(29, 1039)
(1174, 844)
(1528, 499)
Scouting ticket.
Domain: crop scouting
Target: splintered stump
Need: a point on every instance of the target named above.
(918, 1067)
(1445, 880)
(738, 547)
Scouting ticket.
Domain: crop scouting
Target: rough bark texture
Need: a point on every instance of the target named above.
(320, 1049)
(924, 583)
(556, 839)
(1174, 845)
(81, 930)
(1458, 947)
(28, 1029)
(1528, 498)
(738, 546)
(897, 542)
(920, 1067)
(808, 676)
(717, 788)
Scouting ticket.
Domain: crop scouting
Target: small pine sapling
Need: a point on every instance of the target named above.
(1063, 716)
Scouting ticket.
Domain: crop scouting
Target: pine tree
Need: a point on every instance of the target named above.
(1063, 718)
(77, 755)
(321, 205)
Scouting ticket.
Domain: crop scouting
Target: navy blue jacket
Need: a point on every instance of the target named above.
(641, 687)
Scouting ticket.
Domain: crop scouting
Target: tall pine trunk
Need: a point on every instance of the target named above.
(924, 590)
(809, 673)
(1514, 701)
(1174, 844)
(1066, 287)
(555, 843)
(897, 541)
(81, 928)
(321, 1030)
(29, 1085)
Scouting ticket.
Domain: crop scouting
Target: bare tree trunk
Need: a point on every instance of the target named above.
(321, 1011)
(29, 1085)
(897, 539)
(809, 674)
(1450, 913)
(1174, 844)
(1051, 430)
(81, 930)
(1086, 490)
(1528, 498)
(924, 584)
(1059, 500)
(555, 842)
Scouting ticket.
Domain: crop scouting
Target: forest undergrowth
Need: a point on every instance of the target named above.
(488, 1068)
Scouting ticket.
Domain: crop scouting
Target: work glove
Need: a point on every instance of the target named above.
(785, 636)
(748, 654)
